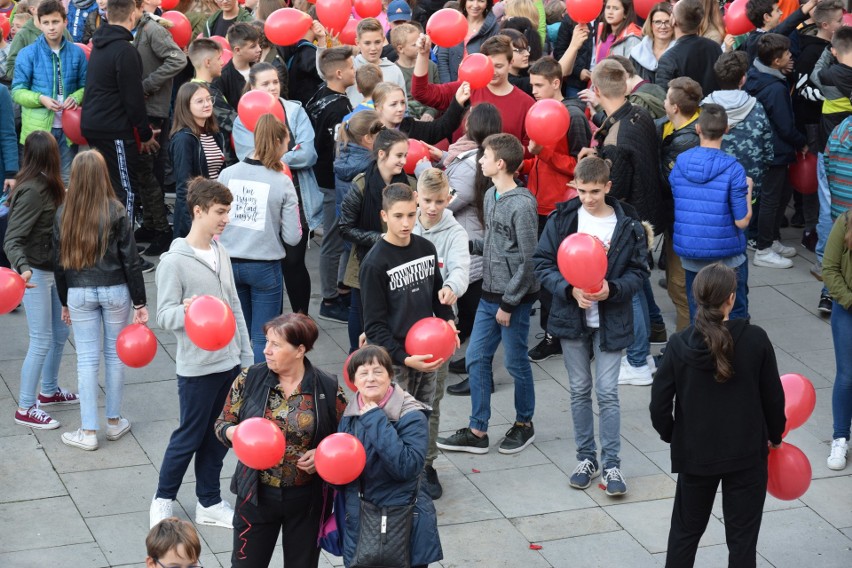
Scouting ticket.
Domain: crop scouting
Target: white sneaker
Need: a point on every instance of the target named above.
(636, 376)
(219, 515)
(651, 363)
(160, 509)
(116, 431)
(837, 459)
(781, 250)
(80, 440)
(768, 258)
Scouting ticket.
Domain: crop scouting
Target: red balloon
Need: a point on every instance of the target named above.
(333, 14)
(789, 472)
(286, 171)
(12, 288)
(736, 20)
(547, 122)
(181, 29)
(477, 69)
(286, 26)
(583, 11)
(226, 56)
(446, 27)
(136, 345)
(210, 323)
(349, 34)
(802, 174)
(255, 104)
(582, 261)
(340, 458)
(5, 26)
(346, 378)
(643, 7)
(87, 49)
(71, 125)
(368, 8)
(417, 150)
(167, 5)
(799, 400)
(431, 336)
(221, 41)
(259, 443)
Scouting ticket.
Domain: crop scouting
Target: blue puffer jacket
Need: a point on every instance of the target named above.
(709, 188)
(395, 438)
(352, 160)
(78, 11)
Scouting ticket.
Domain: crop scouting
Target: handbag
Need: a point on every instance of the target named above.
(330, 536)
(384, 534)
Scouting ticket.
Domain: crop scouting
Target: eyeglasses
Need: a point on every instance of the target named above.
(208, 100)
(157, 560)
(520, 50)
(662, 23)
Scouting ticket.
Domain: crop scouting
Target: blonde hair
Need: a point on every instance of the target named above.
(522, 9)
(383, 90)
(269, 134)
(433, 181)
(367, 77)
(400, 33)
(610, 78)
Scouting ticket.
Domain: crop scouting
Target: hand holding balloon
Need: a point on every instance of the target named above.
(579, 36)
(463, 93)
(600, 295)
(580, 296)
(418, 362)
(140, 315)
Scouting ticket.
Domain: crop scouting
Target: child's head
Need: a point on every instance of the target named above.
(370, 37)
(389, 100)
(683, 98)
(773, 50)
(206, 54)
(554, 11)
(617, 15)
(399, 210)
(245, 43)
(361, 128)
(52, 20)
(763, 14)
(433, 195)
(546, 79)
(172, 542)
(19, 21)
(404, 40)
(399, 13)
(209, 203)
(841, 45)
(499, 49)
(271, 139)
(337, 66)
(713, 122)
(366, 78)
(591, 180)
(610, 79)
(828, 17)
(194, 110)
(731, 69)
(502, 154)
(390, 148)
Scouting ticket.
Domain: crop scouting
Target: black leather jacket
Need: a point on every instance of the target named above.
(120, 265)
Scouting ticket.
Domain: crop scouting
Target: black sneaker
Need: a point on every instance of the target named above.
(458, 367)
(517, 438)
(464, 441)
(159, 244)
(658, 334)
(147, 266)
(547, 348)
(462, 388)
(433, 486)
(825, 303)
(334, 311)
(143, 235)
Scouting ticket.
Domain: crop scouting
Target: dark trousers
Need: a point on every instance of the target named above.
(774, 196)
(545, 298)
(297, 280)
(151, 169)
(296, 517)
(743, 494)
(356, 322)
(201, 401)
(122, 159)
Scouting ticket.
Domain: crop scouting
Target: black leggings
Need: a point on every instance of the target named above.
(297, 280)
(467, 304)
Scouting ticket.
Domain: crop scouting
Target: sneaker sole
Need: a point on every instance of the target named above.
(468, 449)
(80, 446)
(838, 468)
(824, 310)
(60, 402)
(616, 494)
(636, 382)
(38, 426)
(544, 358)
(118, 435)
(511, 451)
(329, 318)
(214, 524)
(589, 484)
(762, 264)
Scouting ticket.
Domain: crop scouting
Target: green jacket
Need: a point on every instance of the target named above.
(25, 36)
(837, 263)
(29, 236)
(242, 16)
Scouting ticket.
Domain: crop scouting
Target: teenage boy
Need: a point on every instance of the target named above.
(404, 40)
(194, 266)
(245, 46)
(512, 102)
(49, 78)
(206, 58)
(712, 200)
(229, 13)
(436, 224)
(162, 60)
(767, 82)
(172, 542)
(766, 17)
(326, 110)
(369, 38)
(303, 76)
(401, 284)
(691, 55)
(399, 14)
(366, 79)
(509, 288)
(25, 35)
(594, 324)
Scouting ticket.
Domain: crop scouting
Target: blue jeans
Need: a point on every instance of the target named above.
(637, 353)
(201, 401)
(841, 396)
(47, 338)
(575, 353)
(825, 222)
(66, 153)
(740, 309)
(654, 313)
(484, 340)
(98, 314)
(260, 287)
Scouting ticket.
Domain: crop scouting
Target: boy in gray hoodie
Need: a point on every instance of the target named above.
(194, 266)
(509, 288)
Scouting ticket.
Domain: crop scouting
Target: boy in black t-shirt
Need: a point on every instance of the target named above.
(400, 280)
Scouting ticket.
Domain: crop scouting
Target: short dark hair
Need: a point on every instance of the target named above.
(242, 34)
(202, 48)
(688, 15)
(395, 193)
(548, 68)
(629, 68)
(332, 58)
(713, 121)
(170, 534)
(686, 94)
(592, 169)
(366, 355)
(756, 9)
(496, 45)
(772, 46)
(506, 147)
(296, 329)
(51, 7)
(205, 193)
(120, 10)
(730, 69)
(842, 40)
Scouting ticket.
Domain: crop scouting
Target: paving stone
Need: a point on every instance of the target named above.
(488, 544)
(70, 556)
(799, 537)
(563, 454)
(494, 460)
(218, 539)
(462, 501)
(162, 368)
(552, 413)
(565, 524)
(647, 488)
(663, 459)
(29, 475)
(455, 414)
(770, 303)
(8, 427)
(796, 335)
(609, 549)
(821, 361)
(162, 396)
(66, 527)
(636, 428)
(831, 499)
(792, 363)
(11, 371)
(112, 491)
(121, 537)
(716, 555)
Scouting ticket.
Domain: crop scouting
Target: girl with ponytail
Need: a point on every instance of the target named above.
(717, 399)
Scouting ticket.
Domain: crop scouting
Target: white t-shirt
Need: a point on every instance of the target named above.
(208, 256)
(602, 229)
(60, 95)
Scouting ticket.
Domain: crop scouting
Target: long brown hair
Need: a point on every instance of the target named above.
(85, 223)
(269, 135)
(40, 160)
(183, 114)
(711, 288)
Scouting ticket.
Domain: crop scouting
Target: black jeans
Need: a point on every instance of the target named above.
(545, 298)
(297, 280)
(295, 516)
(201, 401)
(122, 159)
(467, 304)
(151, 169)
(774, 196)
(743, 495)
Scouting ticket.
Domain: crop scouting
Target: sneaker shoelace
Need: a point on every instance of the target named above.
(38, 414)
(585, 466)
(838, 449)
(612, 474)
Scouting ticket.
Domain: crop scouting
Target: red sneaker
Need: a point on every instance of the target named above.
(35, 417)
(59, 397)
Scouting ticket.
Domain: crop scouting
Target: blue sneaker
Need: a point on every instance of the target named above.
(583, 474)
(614, 482)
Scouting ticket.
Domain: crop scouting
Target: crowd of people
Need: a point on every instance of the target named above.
(680, 141)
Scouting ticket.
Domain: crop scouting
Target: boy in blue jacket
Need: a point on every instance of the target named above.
(594, 325)
(712, 199)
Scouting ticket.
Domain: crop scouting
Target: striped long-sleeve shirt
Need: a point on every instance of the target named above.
(838, 167)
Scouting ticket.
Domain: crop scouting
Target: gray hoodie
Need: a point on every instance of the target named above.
(462, 174)
(182, 275)
(450, 240)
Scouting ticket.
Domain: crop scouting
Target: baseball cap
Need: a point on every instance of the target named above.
(399, 10)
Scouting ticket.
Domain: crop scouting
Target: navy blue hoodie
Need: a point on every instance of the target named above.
(770, 87)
